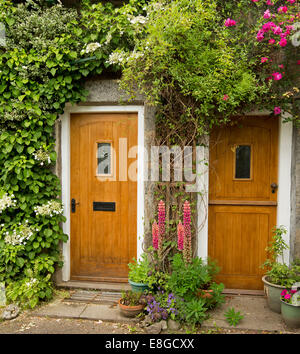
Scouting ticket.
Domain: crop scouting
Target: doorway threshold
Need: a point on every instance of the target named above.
(243, 292)
(102, 286)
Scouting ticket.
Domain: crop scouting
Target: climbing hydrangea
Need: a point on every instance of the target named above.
(51, 208)
(20, 235)
(7, 201)
(42, 156)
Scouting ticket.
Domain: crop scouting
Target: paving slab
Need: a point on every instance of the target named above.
(257, 315)
(103, 312)
(79, 310)
(61, 309)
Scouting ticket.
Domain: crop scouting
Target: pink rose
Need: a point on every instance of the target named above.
(277, 76)
(264, 60)
(277, 110)
(229, 23)
(287, 296)
(260, 35)
(277, 30)
(272, 41)
(283, 292)
(283, 42)
(225, 97)
(281, 66)
(269, 2)
(267, 14)
(282, 9)
(291, 1)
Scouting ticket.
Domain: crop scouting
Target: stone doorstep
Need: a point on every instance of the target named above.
(89, 286)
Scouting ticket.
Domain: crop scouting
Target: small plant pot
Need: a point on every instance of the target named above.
(290, 314)
(205, 294)
(273, 293)
(138, 287)
(130, 311)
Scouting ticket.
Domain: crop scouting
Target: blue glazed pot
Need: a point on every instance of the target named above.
(138, 287)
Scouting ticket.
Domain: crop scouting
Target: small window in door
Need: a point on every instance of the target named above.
(104, 165)
(242, 162)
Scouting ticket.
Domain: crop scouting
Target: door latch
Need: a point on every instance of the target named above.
(274, 186)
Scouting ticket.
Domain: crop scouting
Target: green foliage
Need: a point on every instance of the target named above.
(279, 273)
(29, 291)
(195, 311)
(138, 270)
(187, 61)
(186, 280)
(47, 56)
(233, 317)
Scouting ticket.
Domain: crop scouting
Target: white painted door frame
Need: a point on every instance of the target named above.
(283, 195)
(65, 172)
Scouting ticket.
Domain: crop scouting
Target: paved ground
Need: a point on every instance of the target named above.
(89, 313)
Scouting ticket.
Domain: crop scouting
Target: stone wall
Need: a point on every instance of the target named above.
(295, 196)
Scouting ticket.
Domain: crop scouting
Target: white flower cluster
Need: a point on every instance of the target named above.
(140, 20)
(7, 201)
(91, 47)
(31, 282)
(135, 55)
(51, 208)
(20, 235)
(42, 156)
(117, 58)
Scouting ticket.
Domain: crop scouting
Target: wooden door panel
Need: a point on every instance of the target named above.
(260, 134)
(238, 237)
(102, 242)
(242, 211)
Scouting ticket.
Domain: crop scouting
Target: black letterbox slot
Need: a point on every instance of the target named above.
(104, 206)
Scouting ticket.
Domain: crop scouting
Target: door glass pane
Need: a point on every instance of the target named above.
(243, 161)
(104, 159)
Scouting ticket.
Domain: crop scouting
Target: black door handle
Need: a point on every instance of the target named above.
(73, 205)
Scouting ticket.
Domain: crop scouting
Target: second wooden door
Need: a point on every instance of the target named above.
(242, 199)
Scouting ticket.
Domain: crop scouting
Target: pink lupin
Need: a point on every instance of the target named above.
(155, 235)
(180, 236)
(161, 226)
(187, 247)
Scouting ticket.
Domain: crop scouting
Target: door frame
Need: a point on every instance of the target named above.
(283, 194)
(66, 172)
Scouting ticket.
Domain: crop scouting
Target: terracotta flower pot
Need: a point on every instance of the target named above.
(205, 294)
(130, 311)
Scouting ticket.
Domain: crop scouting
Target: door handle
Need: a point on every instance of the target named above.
(274, 186)
(73, 205)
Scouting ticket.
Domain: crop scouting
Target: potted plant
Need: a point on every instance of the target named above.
(290, 307)
(132, 303)
(138, 274)
(279, 275)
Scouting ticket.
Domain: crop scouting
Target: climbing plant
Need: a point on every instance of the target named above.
(48, 52)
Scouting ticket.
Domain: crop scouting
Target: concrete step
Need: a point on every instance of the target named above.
(102, 286)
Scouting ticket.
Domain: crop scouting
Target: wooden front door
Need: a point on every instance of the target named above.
(242, 203)
(104, 198)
